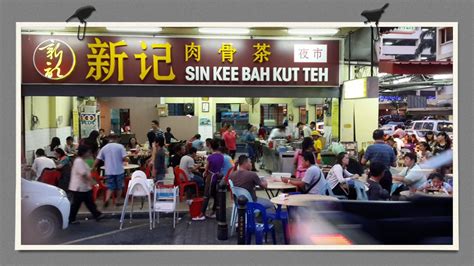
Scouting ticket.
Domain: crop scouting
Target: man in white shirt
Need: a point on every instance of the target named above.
(113, 155)
(305, 129)
(277, 133)
(411, 176)
(41, 162)
(188, 165)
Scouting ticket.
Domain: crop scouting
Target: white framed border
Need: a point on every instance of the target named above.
(19, 114)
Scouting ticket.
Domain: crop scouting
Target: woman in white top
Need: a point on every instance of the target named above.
(338, 175)
(81, 186)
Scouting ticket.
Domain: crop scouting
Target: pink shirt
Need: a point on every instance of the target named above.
(300, 169)
(230, 139)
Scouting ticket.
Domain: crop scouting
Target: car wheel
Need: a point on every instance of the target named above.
(44, 225)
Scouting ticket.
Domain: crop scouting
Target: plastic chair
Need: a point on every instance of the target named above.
(181, 180)
(165, 200)
(227, 175)
(138, 187)
(50, 176)
(237, 192)
(258, 228)
(99, 187)
(360, 190)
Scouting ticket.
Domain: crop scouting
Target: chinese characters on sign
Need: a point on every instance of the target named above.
(181, 61)
(49, 62)
(227, 52)
(310, 53)
(102, 60)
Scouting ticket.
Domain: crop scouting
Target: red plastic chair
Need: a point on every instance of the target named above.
(227, 175)
(50, 176)
(181, 180)
(99, 187)
(148, 171)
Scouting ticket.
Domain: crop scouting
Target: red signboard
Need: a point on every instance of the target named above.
(179, 61)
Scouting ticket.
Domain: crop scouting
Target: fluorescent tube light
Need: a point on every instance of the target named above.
(314, 31)
(137, 30)
(241, 31)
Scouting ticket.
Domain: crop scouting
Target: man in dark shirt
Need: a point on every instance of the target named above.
(176, 158)
(157, 132)
(376, 192)
(245, 178)
(159, 167)
(381, 153)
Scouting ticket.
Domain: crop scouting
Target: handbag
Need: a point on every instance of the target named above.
(314, 183)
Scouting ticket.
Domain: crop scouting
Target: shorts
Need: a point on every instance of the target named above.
(115, 182)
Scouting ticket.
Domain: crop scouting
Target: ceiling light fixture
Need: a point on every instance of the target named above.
(311, 32)
(135, 30)
(241, 31)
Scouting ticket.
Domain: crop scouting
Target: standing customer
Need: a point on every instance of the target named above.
(214, 165)
(168, 135)
(113, 155)
(298, 160)
(92, 142)
(381, 153)
(230, 138)
(81, 186)
(159, 165)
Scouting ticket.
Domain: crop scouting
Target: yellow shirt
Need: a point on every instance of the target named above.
(318, 145)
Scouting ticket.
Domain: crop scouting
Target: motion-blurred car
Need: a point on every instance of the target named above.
(44, 211)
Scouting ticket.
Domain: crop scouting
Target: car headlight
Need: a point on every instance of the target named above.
(62, 192)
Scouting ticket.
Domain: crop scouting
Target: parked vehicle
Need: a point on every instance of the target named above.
(389, 128)
(391, 118)
(44, 211)
(420, 127)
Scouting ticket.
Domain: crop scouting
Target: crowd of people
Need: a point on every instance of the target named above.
(78, 161)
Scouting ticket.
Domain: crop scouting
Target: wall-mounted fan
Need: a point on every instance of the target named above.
(252, 102)
(189, 108)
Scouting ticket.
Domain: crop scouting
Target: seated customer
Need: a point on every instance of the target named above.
(188, 165)
(70, 147)
(313, 181)
(245, 178)
(228, 164)
(41, 162)
(436, 183)
(411, 177)
(197, 142)
(175, 160)
(376, 192)
(338, 175)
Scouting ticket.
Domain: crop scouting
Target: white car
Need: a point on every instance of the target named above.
(44, 211)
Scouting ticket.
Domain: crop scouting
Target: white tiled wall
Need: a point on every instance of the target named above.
(39, 138)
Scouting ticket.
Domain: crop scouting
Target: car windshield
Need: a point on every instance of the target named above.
(445, 126)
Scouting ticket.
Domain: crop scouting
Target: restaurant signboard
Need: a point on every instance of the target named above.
(115, 60)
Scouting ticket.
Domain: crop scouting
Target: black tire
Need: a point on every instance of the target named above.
(44, 225)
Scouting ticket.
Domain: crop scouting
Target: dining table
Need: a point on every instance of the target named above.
(300, 200)
(274, 187)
